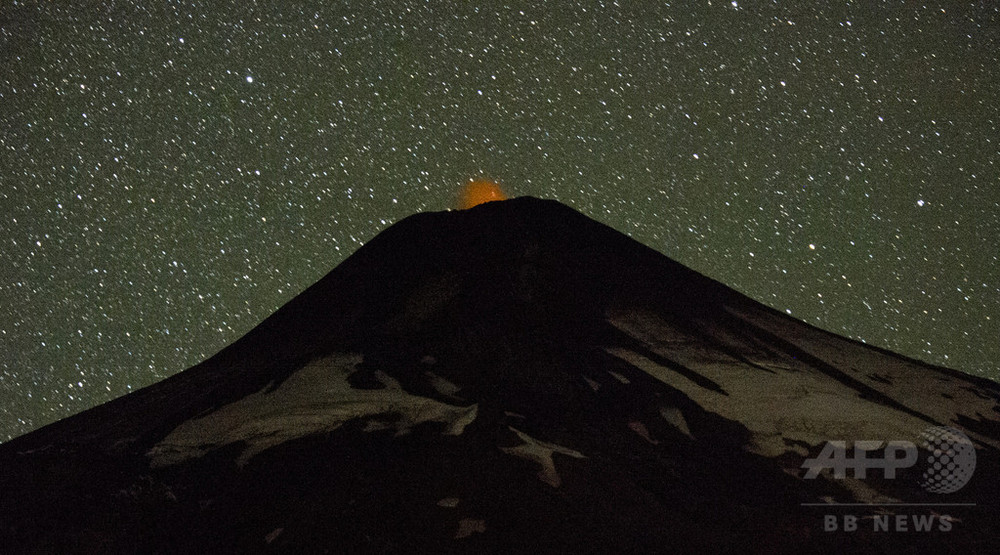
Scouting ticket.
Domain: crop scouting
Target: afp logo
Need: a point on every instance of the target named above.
(947, 467)
(951, 462)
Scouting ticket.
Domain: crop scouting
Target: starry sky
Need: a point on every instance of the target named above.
(173, 172)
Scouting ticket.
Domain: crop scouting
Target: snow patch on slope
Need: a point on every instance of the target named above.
(541, 452)
(316, 398)
(949, 401)
(799, 386)
(799, 403)
(675, 418)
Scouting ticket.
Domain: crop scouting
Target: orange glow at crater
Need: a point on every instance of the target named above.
(478, 192)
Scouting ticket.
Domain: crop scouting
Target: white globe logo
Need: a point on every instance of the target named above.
(951, 461)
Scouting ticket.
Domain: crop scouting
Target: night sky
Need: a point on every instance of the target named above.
(171, 174)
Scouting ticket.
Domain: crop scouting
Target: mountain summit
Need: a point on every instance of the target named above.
(517, 377)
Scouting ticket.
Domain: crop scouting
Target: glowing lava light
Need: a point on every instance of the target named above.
(480, 191)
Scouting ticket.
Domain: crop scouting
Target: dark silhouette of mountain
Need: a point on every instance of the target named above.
(514, 378)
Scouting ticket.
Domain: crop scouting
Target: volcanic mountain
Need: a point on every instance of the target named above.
(519, 378)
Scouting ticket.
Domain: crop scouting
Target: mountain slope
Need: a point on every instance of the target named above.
(515, 376)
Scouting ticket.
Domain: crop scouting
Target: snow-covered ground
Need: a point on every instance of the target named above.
(316, 398)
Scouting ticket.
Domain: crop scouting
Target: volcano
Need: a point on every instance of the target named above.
(517, 377)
